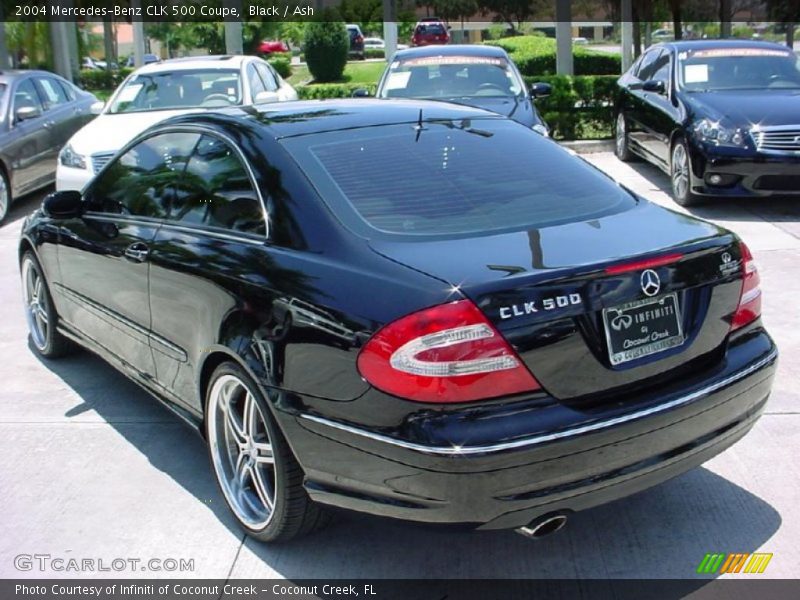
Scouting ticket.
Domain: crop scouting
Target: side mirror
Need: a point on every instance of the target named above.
(654, 85)
(27, 112)
(266, 97)
(541, 89)
(65, 204)
(361, 93)
(97, 107)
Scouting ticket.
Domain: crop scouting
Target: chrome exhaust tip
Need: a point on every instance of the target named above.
(543, 526)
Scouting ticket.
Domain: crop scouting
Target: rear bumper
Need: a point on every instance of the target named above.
(507, 484)
(763, 175)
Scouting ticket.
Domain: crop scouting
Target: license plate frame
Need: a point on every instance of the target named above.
(662, 313)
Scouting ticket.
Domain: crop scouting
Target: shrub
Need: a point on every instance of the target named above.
(535, 55)
(282, 65)
(374, 53)
(96, 79)
(332, 90)
(326, 45)
(579, 107)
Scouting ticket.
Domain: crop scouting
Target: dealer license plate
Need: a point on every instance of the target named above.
(643, 327)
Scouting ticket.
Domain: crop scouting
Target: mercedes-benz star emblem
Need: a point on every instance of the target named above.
(651, 284)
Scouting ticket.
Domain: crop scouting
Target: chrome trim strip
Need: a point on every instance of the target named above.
(205, 232)
(550, 437)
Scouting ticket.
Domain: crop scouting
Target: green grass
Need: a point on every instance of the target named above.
(354, 72)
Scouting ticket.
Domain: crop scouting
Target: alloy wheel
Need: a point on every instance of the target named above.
(621, 133)
(35, 298)
(4, 197)
(241, 451)
(680, 171)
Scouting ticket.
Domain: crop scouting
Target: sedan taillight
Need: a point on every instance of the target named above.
(749, 308)
(444, 354)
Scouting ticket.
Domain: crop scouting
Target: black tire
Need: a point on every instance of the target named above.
(680, 175)
(293, 514)
(622, 147)
(5, 195)
(40, 311)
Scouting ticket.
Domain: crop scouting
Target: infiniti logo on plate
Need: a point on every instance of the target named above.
(651, 284)
(621, 321)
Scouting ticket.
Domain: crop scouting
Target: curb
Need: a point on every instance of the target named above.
(589, 146)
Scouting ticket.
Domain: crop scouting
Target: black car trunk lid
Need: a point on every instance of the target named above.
(599, 309)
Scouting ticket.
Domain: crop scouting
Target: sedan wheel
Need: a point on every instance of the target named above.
(679, 173)
(259, 477)
(5, 196)
(241, 450)
(39, 311)
(621, 148)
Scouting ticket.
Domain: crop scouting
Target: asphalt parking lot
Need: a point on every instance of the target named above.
(92, 467)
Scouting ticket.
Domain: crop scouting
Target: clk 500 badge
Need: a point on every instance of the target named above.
(528, 308)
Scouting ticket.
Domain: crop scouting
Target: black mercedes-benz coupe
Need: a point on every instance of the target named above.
(720, 116)
(412, 309)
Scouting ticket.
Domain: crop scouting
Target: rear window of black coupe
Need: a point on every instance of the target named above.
(453, 177)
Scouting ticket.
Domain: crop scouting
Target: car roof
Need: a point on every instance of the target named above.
(9, 75)
(683, 45)
(282, 120)
(451, 50)
(223, 61)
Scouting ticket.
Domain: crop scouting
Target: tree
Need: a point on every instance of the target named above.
(788, 12)
(326, 45)
(367, 14)
(513, 12)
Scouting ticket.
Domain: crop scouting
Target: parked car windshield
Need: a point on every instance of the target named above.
(719, 69)
(453, 178)
(179, 89)
(451, 77)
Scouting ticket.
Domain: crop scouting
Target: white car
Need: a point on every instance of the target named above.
(160, 90)
(373, 43)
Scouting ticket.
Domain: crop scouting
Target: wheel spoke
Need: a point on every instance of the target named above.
(234, 429)
(244, 472)
(249, 415)
(259, 485)
(265, 455)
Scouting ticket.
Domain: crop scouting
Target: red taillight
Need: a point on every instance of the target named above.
(749, 308)
(447, 353)
(639, 265)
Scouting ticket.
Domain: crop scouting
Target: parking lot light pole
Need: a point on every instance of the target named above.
(389, 28)
(564, 37)
(626, 25)
(233, 29)
(138, 37)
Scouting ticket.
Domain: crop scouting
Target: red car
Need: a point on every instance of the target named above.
(430, 32)
(272, 46)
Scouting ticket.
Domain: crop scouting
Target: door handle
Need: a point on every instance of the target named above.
(137, 252)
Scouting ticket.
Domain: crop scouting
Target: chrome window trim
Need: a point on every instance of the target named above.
(550, 437)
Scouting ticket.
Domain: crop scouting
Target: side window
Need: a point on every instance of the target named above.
(68, 90)
(26, 96)
(647, 67)
(52, 92)
(256, 85)
(141, 181)
(216, 191)
(662, 66)
(268, 77)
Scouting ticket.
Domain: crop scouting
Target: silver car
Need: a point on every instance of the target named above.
(39, 112)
